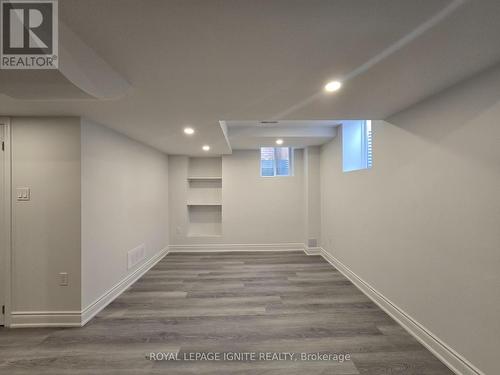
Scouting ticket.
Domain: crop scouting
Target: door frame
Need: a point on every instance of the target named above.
(6, 243)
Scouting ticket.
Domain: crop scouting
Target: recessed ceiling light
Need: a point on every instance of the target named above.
(333, 86)
(189, 131)
(279, 141)
(206, 148)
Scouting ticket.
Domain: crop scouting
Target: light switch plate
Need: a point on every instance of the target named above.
(23, 194)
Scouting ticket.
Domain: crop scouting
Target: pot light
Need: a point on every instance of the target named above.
(333, 86)
(189, 131)
(206, 148)
(279, 141)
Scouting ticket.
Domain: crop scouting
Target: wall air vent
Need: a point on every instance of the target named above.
(312, 242)
(135, 256)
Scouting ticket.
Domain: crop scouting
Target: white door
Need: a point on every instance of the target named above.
(4, 218)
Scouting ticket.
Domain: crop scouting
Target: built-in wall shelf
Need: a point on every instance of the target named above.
(204, 178)
(205, 221)
(204, 197)
(204, 204)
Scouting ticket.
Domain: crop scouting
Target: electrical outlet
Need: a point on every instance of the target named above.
(63, 279)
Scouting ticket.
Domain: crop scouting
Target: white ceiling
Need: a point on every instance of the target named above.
(251, 135)
(199, 62)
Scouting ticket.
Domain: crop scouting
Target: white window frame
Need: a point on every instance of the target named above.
(365, 146)
(291, 160)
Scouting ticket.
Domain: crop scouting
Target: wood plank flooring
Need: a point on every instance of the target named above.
(227, 302)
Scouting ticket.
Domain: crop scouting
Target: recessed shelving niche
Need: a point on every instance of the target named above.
(205, 221)
(204, 198)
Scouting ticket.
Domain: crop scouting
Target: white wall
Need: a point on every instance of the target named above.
(422, 227)
(46, 229)
(261, 209)
(124, 205)
(255, 209)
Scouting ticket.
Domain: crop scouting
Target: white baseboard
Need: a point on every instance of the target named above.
(453, 360)
(312, 250)
(210, 248)
(33, 319)
(104, 300)
(25, 319)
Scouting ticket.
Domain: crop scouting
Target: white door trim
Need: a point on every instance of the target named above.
(6, 230)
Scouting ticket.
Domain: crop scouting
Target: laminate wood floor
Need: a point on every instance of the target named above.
(253, 302)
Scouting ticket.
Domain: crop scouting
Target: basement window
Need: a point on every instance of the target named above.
(357, 145)
(276, 161)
